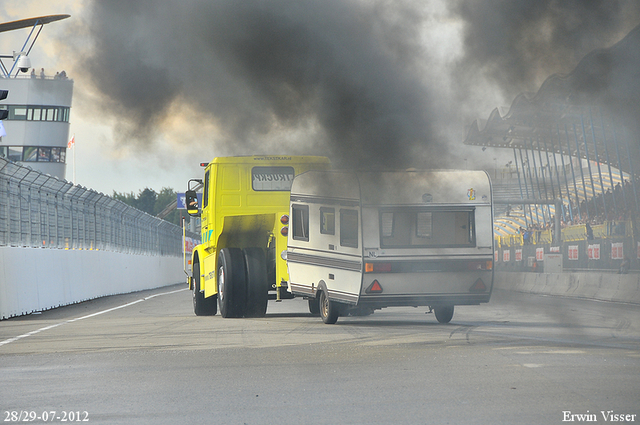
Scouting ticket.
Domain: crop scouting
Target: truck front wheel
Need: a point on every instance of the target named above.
(202, 306)
(232, 282)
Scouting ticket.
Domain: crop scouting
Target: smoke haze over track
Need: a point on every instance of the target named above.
(360, 81)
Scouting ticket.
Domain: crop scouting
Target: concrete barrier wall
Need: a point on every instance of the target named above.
(588, 285)
(35, 279)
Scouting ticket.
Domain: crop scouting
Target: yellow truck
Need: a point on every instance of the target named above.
(240, 263)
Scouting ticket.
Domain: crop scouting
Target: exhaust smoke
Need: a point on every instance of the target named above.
(355, 80)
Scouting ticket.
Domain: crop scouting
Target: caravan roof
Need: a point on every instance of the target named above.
(417, 187)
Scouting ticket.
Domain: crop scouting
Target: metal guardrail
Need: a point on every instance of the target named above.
(41, 211)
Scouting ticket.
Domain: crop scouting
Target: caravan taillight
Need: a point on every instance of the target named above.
(377, 267)
(480, 265)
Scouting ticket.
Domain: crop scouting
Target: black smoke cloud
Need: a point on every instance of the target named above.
(347, 69)
(347, 77)
(518, 44)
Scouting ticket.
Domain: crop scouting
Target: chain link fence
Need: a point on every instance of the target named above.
(41, 211)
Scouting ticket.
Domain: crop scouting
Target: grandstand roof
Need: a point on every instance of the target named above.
(599, 100)
(30, 22)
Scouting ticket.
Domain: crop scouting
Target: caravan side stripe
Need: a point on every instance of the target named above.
(315, 260)
(324, 200)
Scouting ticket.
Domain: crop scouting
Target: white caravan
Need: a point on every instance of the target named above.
(361, 241)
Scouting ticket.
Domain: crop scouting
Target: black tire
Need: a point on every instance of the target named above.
(329, 310)
(202, 306)
(444, 314)
(314, 307)
(255, 262)
(232, 282)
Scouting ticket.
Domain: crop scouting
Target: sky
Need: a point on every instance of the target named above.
(163, 85)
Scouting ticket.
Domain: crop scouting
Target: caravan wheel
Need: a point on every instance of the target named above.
(329, 310)
(444, 314)
(232, 282)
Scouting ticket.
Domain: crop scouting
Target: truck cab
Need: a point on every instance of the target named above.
(238, 264)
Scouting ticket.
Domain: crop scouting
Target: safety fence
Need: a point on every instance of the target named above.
(605, 246)
(599, 253)
(41, 211)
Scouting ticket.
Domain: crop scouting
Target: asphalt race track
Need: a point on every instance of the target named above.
(144, 358)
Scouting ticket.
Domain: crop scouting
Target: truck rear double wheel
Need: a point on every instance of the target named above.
(255, 262)
(242, 282)
(202, 306)
(232, 282)
(314, 307)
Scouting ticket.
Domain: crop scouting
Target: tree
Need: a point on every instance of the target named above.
(147, 201)
(166, 197)
(151, 202)
(127, 198)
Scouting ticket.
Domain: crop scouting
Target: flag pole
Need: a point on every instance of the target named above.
(71, 145)
(74, 159)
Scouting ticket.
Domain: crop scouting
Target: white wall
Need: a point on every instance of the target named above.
(33, 279)
(588, 285)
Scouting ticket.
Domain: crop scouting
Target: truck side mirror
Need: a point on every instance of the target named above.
(191, 199)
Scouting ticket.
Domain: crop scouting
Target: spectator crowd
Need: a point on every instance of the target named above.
(612, 207)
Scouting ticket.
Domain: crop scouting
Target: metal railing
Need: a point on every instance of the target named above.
(41, 211)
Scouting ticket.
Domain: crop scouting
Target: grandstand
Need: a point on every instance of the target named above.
(575, 140)
(510, 218)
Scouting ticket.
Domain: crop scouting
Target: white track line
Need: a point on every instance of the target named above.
(10, 340)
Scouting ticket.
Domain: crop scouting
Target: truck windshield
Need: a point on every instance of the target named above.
(272, 178)
(405, 228)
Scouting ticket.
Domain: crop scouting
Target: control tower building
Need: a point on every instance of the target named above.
(36, 131)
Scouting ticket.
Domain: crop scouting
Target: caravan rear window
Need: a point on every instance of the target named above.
(404, 228)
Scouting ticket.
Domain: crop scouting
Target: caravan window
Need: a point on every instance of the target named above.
(349, 228)
(327, 221)
(300, 222)
(404, 228)
(424, 227)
